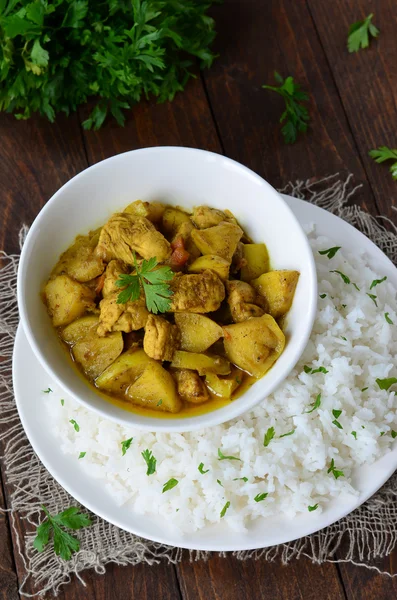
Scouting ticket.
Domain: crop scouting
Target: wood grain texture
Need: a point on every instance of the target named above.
(366, 584)
(366, 81)
(8, 577)
(229, 578)
(254, 41)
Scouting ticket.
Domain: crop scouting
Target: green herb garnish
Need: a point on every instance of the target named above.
(201, 469)
(47, 391)
(64, 543)
(393, 434)
(359, 34)
(82, 454)
(336, 414)
(313, 371)
(312, 508)
(354, 434)
(364, 389)
(377, 282)
(224, 509)
(62, 402)
(289, 433)
(75, 425)
(159, 403)
(345, 278)
(388, 319)
(373, 298)
(296, 115)
(385, 384)
(58, 55)
(334, 471)
(221, 456)
(343, 338)
(269, 435)
(219, 482)
(238, 380)
(384, 153)
(322, 296)
(125, 445)
(260, 497)
(152, 281)
(245, 479)
(171, 483)
(148, 457)
(314, 405)
(330, 252)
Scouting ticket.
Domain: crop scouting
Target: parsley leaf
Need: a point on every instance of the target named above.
(57, 55)
(62, 402)
(47, 391)
(384, 153)
(260, 497)
(201, 469)
(75, 425)
(125, 445)
(364, 389)
(322, 296)
(286, 434)
(393, 434)
(151, 462)
(296, 115)
(330, 253)
(224, 509)
(373, 298)
(82, 454)
(153, 280)
(385, 384)
(377, 282)
(343, 338)
(314, 405)
(334, 471)
(354, 434)
(312, 508)
(336, 414)
(219, 482)
(245, 479)
(221, 456)
(344, 277)
(359, 33)
(269, 435)
(313, 371)
(388, 319)
(171, 483)
(64, 543)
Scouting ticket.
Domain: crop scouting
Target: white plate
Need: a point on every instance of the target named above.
(263, 532)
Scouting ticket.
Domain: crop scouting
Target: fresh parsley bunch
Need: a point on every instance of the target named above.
(54, 55)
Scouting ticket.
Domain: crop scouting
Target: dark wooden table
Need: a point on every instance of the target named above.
(353, 109)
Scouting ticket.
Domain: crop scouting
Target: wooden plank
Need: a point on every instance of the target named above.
(278, 36)
(367, 584)
(8, 576)
(366, 82)
(229, 578)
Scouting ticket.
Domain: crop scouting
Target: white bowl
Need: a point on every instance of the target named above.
(179, 176)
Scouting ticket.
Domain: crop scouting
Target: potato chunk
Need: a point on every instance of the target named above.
(278, 288)
(161, 338)
(220, 240)
(197, 331)
(172, 220)
(67, 299)
(80, 260)
(153, 211)
(216, 263)
(155, 389)
(124, 371)
(79, 329)
(254, 345)
(95, 354)
(219, 386)
(124, 233)
(190, 387)
(255, 261)
(202, 363)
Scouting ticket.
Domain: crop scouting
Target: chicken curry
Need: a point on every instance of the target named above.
(165, 310)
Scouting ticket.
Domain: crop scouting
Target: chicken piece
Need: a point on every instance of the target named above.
(244, 302)
(127, 317)
(197, 293)
(190, 387)
(113, 271)
(238, 260)
(124, 233)
(204, 216)
(153, 211)
(161, 338)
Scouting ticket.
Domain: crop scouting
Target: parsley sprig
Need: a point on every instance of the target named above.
(296, 115)
(335, 471)
(384, 153)
(152, 280)
(64, 543)
(150, 460)
(360, 32)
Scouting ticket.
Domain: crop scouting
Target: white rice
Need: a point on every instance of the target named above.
(292, 470)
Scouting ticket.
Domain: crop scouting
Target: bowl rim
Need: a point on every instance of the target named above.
(208, 419)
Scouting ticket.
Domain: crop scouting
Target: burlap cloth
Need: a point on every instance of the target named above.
(370, 531)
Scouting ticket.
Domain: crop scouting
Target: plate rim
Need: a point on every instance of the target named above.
(204, 545)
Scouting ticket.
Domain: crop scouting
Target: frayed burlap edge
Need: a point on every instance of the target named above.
(370, 531)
